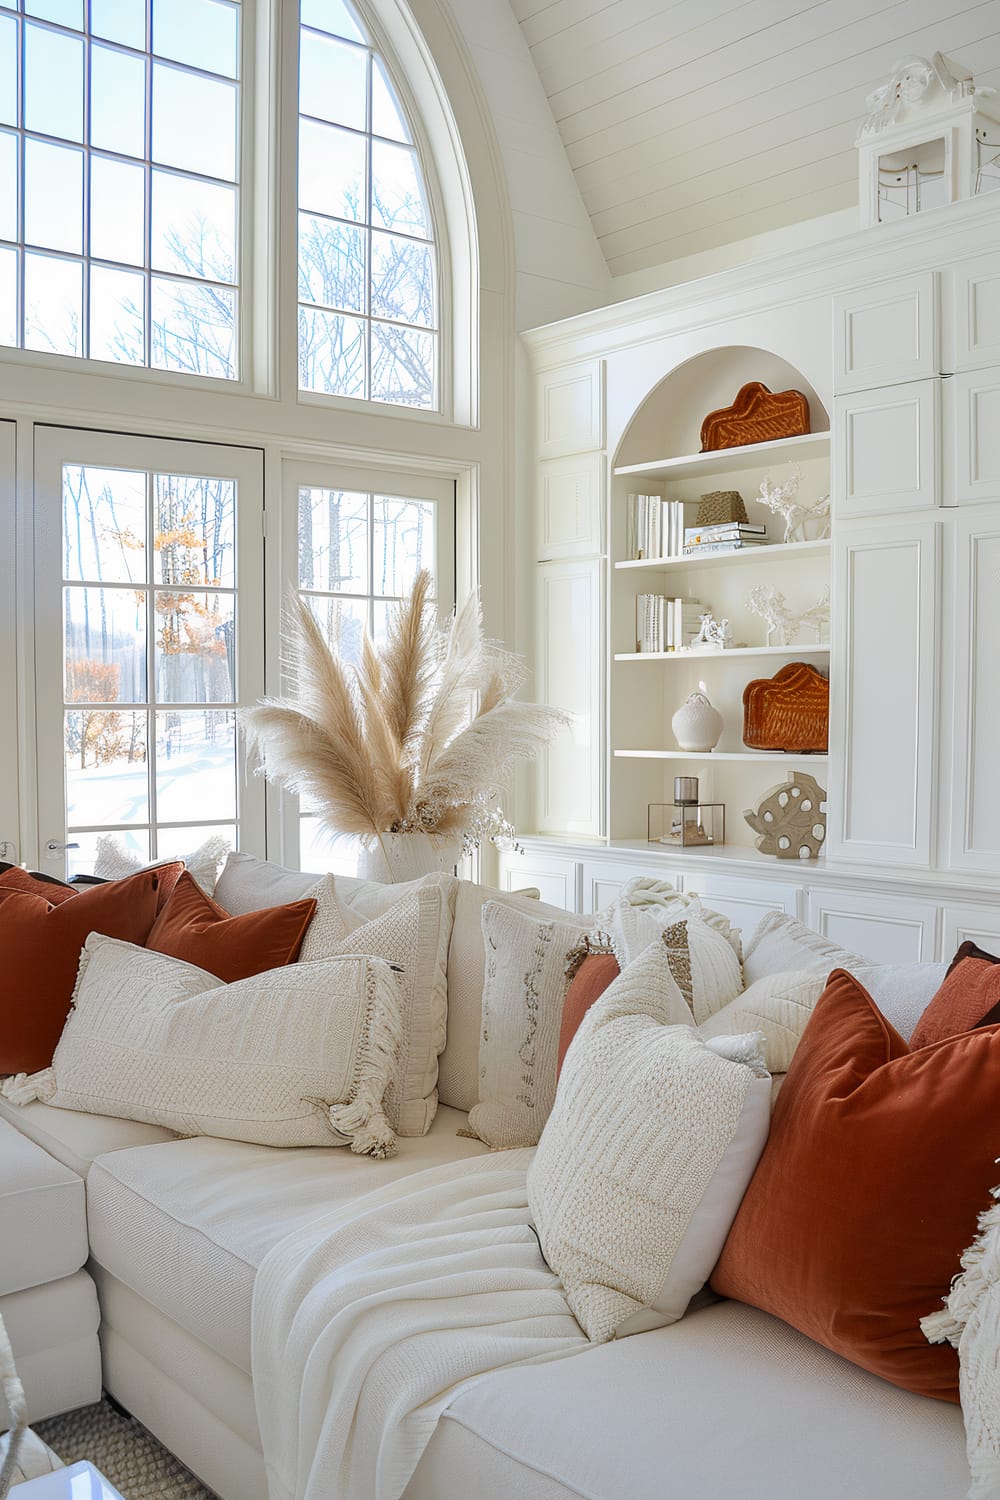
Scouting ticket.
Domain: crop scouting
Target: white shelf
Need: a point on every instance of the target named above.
(729, 460)
(729, 651)
(772, 552)
(714, 755)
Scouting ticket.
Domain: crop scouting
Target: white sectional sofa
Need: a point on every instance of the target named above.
(728, 1402)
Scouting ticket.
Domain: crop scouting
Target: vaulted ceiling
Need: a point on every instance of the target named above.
(690, 124)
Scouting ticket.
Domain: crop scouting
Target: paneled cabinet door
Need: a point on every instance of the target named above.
(570, 508)
(744, 902)
(570, 656)
(976, 924)
(886, 334)
(882, 704)
(977, 436)
(570, 412)
(976, 312)
(554, 876)
(887, 449)
(886, 929)
(976, 780)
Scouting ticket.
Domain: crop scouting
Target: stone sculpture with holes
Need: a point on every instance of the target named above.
(790, 819)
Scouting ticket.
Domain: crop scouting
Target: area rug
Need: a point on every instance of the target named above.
(136, 1464)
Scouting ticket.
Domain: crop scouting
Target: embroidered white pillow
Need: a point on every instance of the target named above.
(523, 992)
(414, 933)
(647, 1153)
(778, 1006)
(296, 1056)
(716, 976)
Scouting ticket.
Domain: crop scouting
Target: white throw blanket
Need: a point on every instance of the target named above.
(970, 1320)
(367, 1322)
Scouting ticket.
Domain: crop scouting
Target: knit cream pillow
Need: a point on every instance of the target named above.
(715, 973)
(523, 993)
(296, 1056)
(653, 1137)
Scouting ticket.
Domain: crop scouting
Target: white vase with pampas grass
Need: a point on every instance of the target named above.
(409, 748)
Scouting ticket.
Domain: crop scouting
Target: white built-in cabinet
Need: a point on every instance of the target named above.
(896, 335)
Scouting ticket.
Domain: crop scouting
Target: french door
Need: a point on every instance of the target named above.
(149, 636)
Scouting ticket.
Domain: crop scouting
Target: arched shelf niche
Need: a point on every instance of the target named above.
(668, 422)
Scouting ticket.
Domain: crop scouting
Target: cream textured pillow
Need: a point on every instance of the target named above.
(414, 933)
(716, 976)
(780, 944)
(653, 1137)
(523, 994)
(296, 1056)
(116, 862)
(779, 1006)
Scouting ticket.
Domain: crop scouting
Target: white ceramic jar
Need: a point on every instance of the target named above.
(696, 724)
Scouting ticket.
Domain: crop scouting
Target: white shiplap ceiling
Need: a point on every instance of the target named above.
(690, 124)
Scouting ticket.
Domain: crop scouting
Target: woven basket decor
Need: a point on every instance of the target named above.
(789, 711)
(756, 416)
(721, 506)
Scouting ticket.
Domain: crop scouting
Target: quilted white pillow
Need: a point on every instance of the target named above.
(523, 994)
(780, 944)
(716, 977)
(653, 1137)
(296, 1056)
(778, 1006)
(413, 933)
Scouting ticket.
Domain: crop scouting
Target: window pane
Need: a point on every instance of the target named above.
(194, 123)
(117, 193)
(387, 116)
(120, 21)
(63, 12)
(8, 186)
(53, 83)
(53, 196)
(331, 171)
(176, 843)
(402, 279)
(402, 365)
(194, 328)
(332, 267)
(331, 353)
(344, 621)
(105, 656)
(201, 32)
(104, 524)
(53, 304)
(403, 543)
(333, 81)
(195, 530)
(8, 297)
(8, 70)
(397, 194)
(117, 316)
(333, 541)
(118, 102)
(194, 227)
(195, 766)
(332, 16)
(106, 777)
(194, 647)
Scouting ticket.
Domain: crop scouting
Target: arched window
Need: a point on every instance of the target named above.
(368, 321)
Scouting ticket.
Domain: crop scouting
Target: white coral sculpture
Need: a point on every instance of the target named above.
(782, 500)
(418, 736)
(769, 603)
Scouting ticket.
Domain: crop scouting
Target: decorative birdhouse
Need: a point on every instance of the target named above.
(931, 138)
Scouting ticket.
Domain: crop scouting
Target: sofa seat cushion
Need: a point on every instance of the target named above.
(187, 1223)
(43, 1214)
(729, 1401)
(75, 1138)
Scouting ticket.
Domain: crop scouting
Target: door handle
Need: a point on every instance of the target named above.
(53, 847)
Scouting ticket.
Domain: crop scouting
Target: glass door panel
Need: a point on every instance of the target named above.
(149, 637)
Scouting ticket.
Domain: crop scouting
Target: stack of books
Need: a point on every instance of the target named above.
(726, 536)
(663, 624)
(655, 527)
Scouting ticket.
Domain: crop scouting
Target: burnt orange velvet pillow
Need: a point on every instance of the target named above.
(588, 984)
(197, 929)
(13, 878)
(969, 997)
(40, 952)
(877, 1166)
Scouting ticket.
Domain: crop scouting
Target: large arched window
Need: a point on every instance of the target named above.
(368, 324)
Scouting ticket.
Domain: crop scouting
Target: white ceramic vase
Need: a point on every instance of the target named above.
(407, 856)
(696, 724)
